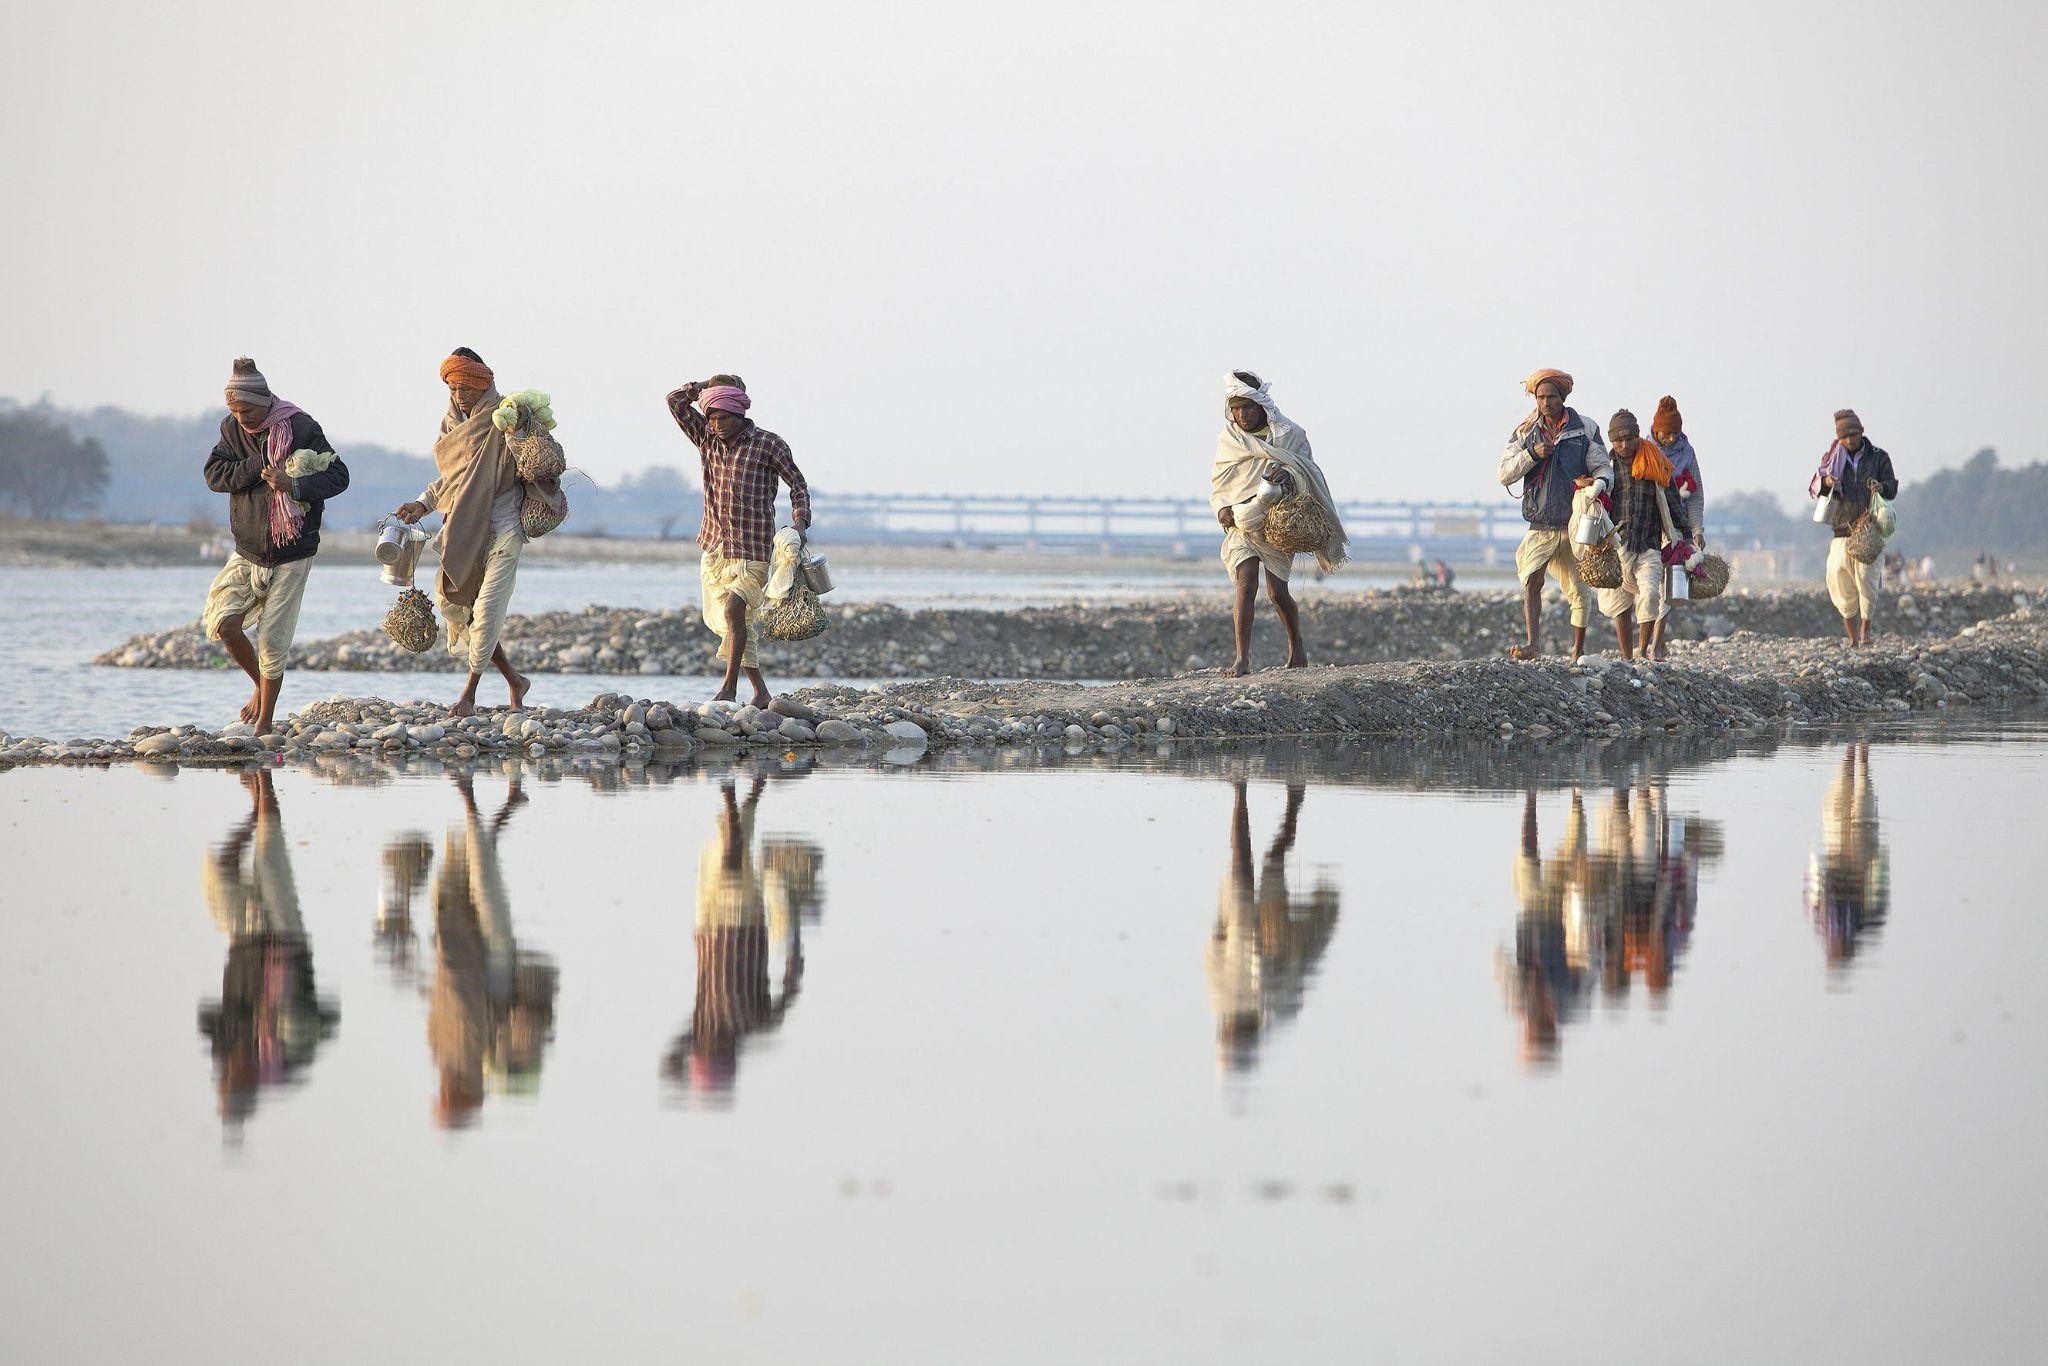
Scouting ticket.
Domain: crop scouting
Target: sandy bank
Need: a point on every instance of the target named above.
(1742, 682)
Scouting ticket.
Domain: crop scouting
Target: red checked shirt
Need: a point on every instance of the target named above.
(739, 484)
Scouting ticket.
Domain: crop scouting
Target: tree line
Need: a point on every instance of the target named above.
(45, 469)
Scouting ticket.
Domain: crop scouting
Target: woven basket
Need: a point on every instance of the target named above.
(1600, 565)
(410, 622)
(535, 452)
(794, 617)
(546, 507)
(1866, 542)
(1297, 525)
(1711, 580)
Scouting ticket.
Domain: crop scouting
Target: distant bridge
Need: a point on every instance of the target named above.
(1380, 532)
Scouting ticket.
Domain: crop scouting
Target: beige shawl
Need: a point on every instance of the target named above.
(1241, 459)
(475, 466)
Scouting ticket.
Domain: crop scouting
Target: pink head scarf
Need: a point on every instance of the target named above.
(286, 520)
(726, 396)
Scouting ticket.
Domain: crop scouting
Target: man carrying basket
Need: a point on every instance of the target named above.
(1270, 498)
(1850, 471)
(741, 465)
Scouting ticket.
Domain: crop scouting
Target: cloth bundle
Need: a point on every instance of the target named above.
(301, 463)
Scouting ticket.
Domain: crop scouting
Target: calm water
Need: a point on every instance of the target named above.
(1669, 1053)
(54, 622)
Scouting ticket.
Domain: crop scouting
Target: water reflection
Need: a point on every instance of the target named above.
(408, 858)
(491, 1008)
(748, 911)
(1848, 882)
(1267, 941)
(268, 1022)
(1602, 911)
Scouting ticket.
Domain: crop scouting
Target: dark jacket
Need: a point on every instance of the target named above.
(236, 469)
(1548, 484)
(1636, 519)
(1872, 470)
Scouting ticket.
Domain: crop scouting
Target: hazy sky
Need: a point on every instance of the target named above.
(1007, 248)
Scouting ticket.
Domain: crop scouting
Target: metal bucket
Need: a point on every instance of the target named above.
(398, 550)
(1591, 531)
(818, 575)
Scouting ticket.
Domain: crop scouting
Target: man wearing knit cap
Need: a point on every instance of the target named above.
(1848, 473)
(741, 464)
(1642, 478)
(1687, 496)
(278, 470)
(1552, 453)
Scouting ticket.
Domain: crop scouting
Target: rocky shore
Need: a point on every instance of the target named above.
(1155, 639)
(1741, 681)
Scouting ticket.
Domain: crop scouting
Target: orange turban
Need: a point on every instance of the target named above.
(1558, 377)
(1667, 422)
(470, 374)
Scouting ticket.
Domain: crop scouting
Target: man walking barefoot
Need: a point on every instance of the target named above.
(1848, 473)
(278, 470)
(1257, 440)
(742, 463)
(477, 490)
(1550, 452)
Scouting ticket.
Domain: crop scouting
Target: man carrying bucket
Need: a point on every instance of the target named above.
(1551, 452)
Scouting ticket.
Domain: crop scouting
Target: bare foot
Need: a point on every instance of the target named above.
(1521, 652)
(253, 708)
(761, 699)
(463, 706)
(1296, 662)
(729, 693)
(1239, 669)
(519, 690)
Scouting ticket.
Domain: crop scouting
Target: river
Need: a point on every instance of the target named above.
(1669, 1051)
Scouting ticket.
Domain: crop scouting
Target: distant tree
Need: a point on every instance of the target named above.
(46, 471)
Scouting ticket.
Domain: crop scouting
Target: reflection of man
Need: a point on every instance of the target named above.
(268, 1023)
(1266, 943)
(1848, 884)
(1608, 911)
(1547, 981)
(740, 912)
(493, 1005)
(407, 860)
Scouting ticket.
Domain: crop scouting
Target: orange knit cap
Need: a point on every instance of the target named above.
(1667, 422)
(470, 374)
(1558, 377)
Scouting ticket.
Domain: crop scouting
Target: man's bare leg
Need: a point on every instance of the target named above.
(1578, 641)
(1290, 618)
(1649, 632)
(1863, 630)
(1849, 625)
(1532, 616)
(266, 704)
(1625, 632)
(516, 683)
(1657, 637)
(735, 649)
(1246, 573)
(243, 653)
(762, 697)
(465, 705)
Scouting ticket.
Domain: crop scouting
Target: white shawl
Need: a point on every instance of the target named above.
(1241, 459)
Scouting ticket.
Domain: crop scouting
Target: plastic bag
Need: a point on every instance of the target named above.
(1882, 512)
(786, 562)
